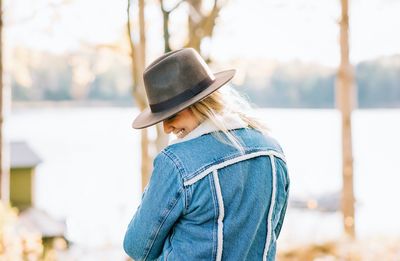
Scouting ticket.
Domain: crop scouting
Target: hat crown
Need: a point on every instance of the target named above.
(175, 73)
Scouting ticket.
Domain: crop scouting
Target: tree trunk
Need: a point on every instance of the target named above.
(1, 103)
(201, 25)
(138, 58)
(167, 47)
(166, 13)
(345, 100)
(194, 20)
(146, 157)
(4, 168)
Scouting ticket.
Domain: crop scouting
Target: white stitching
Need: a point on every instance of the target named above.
(232, 161)
(221, 214)
(213, 195)
(271, 209)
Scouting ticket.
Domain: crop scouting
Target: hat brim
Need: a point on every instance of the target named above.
(147, 118)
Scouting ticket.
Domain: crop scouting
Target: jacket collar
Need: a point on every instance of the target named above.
(231, 121)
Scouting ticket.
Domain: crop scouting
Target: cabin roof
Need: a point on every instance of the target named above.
(22, 155)
(38, 220)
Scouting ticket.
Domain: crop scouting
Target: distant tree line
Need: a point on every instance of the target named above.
(377, 84)
(91, 76)
(292, 85)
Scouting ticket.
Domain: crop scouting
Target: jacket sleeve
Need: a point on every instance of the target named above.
(284, 195)
(162, 204)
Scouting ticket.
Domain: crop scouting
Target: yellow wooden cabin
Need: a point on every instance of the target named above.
(22, 184)
(22, 175)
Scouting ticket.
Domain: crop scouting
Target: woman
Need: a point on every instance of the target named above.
(220, 190)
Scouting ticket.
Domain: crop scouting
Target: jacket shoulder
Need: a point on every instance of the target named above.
(202, 152)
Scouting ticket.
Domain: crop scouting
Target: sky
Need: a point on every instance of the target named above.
(281, 30)
(308, 30)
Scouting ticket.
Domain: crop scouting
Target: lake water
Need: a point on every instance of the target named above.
(90, 170)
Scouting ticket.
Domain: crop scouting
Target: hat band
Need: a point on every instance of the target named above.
(182, 97)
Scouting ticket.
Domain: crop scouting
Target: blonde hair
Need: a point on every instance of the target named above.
(220, 102)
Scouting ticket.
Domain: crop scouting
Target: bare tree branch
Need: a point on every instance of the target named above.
(195, 15)
(201, 25)
(173, 8)
(131, 44)
(166, 14)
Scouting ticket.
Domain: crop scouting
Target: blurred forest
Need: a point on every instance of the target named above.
(104, 75)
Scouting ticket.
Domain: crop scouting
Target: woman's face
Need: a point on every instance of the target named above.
(181, 123)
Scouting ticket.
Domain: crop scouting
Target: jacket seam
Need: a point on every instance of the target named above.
(216, 210)
(229, 157)
(221, 214)
(270, 230)
(175, 160)
(179, 166)
(156, 231)
(220, 164)
(279, 224)
(171, 247)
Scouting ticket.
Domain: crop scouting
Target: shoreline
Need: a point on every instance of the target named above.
(15, 105)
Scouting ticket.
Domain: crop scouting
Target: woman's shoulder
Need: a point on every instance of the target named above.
(257, 139)
(199, 153)
(207, 150)
(208, 143)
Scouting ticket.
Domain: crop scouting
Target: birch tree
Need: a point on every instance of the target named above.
(2, 175)
(166, 13)
(138, 60)
(201, 25)
(345, 99)
(4, 168)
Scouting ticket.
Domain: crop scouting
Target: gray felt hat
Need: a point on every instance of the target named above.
(175, 81)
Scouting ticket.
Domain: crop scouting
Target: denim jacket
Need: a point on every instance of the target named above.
(207, 200)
